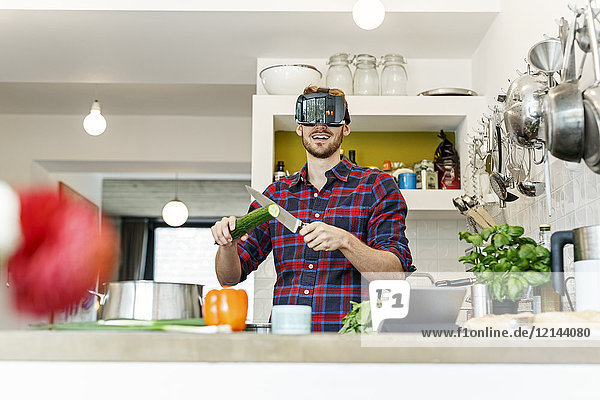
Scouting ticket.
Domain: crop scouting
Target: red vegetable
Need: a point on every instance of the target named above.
(62, 254)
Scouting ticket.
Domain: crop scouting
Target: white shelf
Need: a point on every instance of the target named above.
(375, 114)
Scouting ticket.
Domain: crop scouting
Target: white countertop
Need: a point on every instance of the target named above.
(314, 348)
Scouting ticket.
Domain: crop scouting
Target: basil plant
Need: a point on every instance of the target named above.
(506, 261)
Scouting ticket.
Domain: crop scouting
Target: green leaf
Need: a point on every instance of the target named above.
(476, 239)
(515, 231)
(512, 254)
(527, 252)
(502, 228)
(523, 264)
(487, 232)
(526, 240)
(497, 290)
(534, 278)
(487, 275)
(463, 235)
(513, 287)
(489, 249)
(500, 239)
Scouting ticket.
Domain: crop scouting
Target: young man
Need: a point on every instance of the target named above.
(354, 215)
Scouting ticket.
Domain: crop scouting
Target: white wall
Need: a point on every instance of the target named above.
(27, 138)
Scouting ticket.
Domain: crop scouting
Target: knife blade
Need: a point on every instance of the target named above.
(288, 220)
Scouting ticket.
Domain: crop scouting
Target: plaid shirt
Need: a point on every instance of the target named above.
(365, 202)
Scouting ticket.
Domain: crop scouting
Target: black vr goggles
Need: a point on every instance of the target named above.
(321, 108)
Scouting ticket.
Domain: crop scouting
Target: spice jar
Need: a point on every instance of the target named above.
(426, 175)
(366, 78)
(393, 75)
(339, 75)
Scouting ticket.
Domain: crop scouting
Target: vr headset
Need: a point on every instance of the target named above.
(321, 108)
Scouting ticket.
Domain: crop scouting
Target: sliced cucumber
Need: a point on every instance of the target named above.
(253, 219)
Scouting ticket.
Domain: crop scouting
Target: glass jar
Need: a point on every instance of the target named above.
(366, 78)
(393, 75)
(339, 75)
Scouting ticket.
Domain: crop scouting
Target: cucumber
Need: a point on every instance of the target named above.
(253, 219)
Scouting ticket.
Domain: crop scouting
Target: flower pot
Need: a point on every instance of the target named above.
(505, 307)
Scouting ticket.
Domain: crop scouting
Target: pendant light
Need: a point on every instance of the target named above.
(94, 123)
(175, 212)
(368, 14)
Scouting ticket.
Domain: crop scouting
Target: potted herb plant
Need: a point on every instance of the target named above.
(508, 262)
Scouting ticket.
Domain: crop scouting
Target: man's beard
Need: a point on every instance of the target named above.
(326, 151)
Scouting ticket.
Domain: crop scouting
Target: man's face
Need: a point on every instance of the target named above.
(322, 141)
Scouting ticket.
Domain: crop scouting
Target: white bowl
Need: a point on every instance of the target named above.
(289, 79)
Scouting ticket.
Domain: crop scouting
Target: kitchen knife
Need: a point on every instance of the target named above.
(287, 219)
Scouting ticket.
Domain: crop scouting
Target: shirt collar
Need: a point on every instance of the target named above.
(340, 171)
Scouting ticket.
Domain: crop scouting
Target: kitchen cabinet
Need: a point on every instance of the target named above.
(375, 114)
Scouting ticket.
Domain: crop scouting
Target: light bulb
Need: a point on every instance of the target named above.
(368, 14)
(94, 123)
(175, 213)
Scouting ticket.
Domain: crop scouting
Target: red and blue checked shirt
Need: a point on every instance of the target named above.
(363, 201)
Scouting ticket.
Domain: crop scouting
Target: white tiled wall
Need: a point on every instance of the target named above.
(435, 246)
(575, 202)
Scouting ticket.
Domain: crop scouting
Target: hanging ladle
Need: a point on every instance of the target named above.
(527, 187)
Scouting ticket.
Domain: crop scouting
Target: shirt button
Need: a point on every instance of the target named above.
(317, 215)
(306, 291)
(310, 266)
(316, 194)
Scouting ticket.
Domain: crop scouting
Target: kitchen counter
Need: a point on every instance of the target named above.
(28, 345)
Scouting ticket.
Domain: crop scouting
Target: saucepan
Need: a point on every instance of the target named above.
(149, 300)
(591, 103)
(563, 113)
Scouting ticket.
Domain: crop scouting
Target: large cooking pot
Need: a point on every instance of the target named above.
(563, 113)
(149, 300)
(523, 110)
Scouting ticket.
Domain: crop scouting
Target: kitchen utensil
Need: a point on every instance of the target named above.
(583, 37)
(591, 104)
(289, 78)
(527, 187)
(149, 300)
(473, 205)
(287, 219)
(448, 92)
(563, 113)
(481, 301)
(546, 55)
(586, 244)
(455, 282)
(523, 110)
(498, 184)
(290, 319)
(460, 204)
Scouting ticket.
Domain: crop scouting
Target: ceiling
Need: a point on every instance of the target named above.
(127, 99)
(146, 198)
(211, 47)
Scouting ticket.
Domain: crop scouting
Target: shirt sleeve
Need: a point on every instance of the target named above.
(386, 226)
(257, 247)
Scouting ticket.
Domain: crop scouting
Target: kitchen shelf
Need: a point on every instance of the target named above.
(374, 114)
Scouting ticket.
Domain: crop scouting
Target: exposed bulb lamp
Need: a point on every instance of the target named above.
(94, 123)
(368, 14)
(175, 212)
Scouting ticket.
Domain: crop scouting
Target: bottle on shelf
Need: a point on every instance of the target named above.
(549, 299)
(280, 172)
(352, 156)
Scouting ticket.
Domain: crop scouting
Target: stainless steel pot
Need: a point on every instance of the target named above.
(591, 103)
(149, 300)
(563, 114)
(523, 110)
